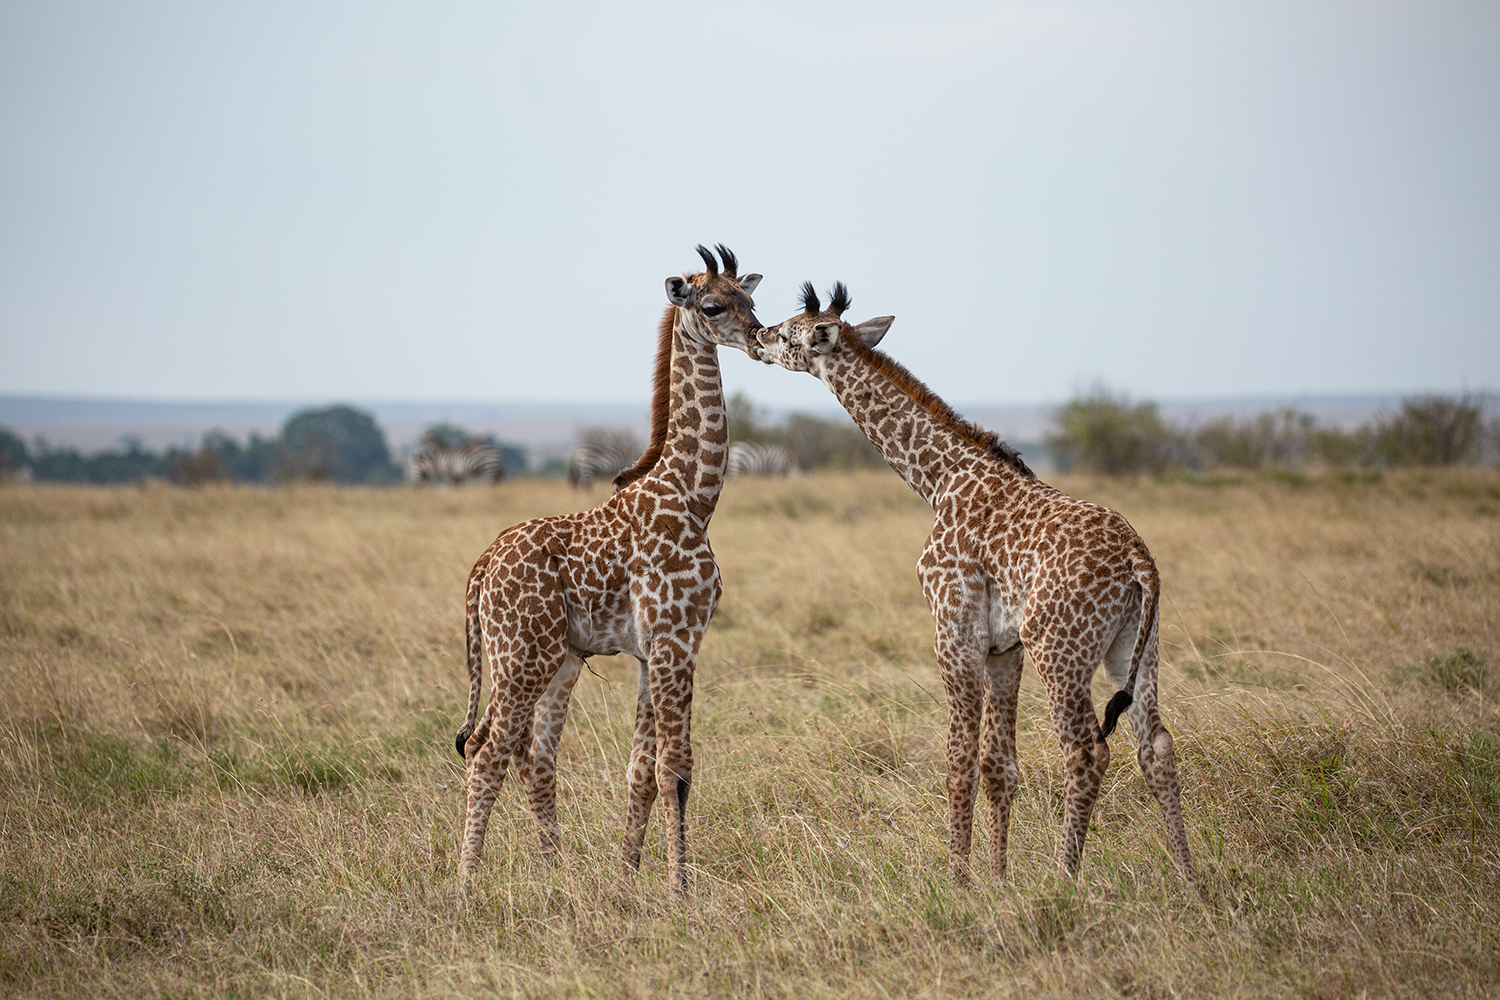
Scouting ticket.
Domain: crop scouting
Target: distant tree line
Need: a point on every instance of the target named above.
(1104, 432)
(336, 444)
(816, 442)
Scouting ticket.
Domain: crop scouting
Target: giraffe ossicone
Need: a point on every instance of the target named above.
(634, 575)
(1011, 565)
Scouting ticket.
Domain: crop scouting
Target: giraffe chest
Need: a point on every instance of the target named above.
(978, 574)
(632, 588)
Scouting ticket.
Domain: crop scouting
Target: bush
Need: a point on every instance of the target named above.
(14, 460)
(1432, 430)
(1102, 432)
(1279, 438)
(815, 442)
(818, 443)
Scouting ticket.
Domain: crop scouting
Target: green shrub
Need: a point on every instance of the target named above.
(1102, 432)
(1432, 430)
(1272, 438)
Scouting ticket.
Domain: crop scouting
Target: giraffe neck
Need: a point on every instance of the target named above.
(696, 451)
(922, 449)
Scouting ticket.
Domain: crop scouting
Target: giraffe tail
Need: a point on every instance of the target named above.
(473, 647)
(1150, 581)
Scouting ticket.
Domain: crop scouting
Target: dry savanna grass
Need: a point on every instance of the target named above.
(227, 768)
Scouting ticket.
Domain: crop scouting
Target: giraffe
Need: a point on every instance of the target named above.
(633, 575)
(1011, 565)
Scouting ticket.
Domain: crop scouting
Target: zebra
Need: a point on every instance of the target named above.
(748, 458)
(435, 460)
(600, 460)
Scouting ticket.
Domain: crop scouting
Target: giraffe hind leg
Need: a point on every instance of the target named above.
(524, 654)
(1158, 760)
(538, 768)
(998, 765)
(1067, 673)
(1154, 750)
(1157, 757)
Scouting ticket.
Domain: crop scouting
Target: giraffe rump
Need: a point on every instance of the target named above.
(987, 441)
(1150, 583)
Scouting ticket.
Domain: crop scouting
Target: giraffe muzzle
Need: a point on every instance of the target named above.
(752, 345)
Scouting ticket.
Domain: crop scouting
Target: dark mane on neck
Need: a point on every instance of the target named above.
(987, 441)
(661, 403)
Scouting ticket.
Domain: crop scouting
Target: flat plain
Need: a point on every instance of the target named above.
(226, 763)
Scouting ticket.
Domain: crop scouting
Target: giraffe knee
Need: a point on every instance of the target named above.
(469, 743)
(1087, 761)
(1157, 752)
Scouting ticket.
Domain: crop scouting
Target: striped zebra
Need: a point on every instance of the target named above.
(747, 458)
(600, 460)
(435, 460)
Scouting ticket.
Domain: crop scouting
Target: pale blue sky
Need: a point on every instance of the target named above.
(481, 201)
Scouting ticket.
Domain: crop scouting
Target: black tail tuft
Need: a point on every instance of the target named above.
(1119, 703)
(459, 741)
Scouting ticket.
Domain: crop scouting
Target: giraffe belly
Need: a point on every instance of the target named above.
(1005, 624)
(604, 631)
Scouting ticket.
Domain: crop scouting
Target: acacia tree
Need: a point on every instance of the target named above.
(338, 444)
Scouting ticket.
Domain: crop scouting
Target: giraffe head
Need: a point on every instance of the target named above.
(715, 307)
(806, 341)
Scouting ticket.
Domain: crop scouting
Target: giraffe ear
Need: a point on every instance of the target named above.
(749, 282)
(680, 291)
(824, 336)
(871, 331)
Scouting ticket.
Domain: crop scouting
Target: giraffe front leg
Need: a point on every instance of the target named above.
(640, 779)
(671, 673)
(998, 767)
(537, 769)
(964, 685)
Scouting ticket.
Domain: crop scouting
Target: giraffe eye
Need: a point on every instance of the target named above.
(712, 309)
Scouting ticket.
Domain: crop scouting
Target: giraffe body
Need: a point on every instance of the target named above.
(634, 575)
(1011, 564)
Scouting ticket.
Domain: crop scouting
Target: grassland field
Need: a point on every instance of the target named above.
(226, 763)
